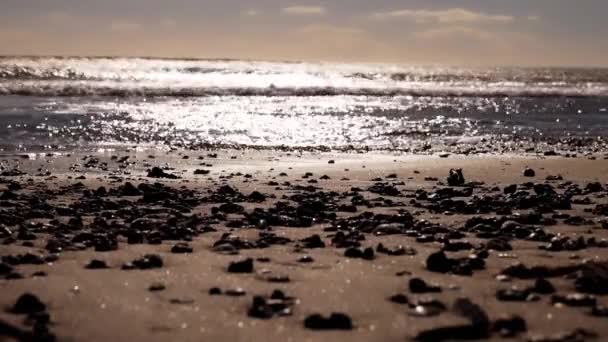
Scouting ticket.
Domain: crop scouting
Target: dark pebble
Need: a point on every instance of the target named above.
(181, 248)
(306, 259)
(455, 178)
(528, 172)
(28, 304)
(243, 266)
(575, 299)
(510, 326)
(215, 291)
(156, 287)
(148, 261)
(438, 262)
(543, 286)
(238, 292)
(418, 285)
(96, 265)
(399, 299)
(336, 321)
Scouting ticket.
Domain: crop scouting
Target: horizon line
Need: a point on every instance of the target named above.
(295, 61)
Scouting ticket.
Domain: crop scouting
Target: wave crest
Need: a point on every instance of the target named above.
(79, 90)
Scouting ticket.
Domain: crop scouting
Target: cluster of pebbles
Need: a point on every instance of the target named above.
(157, 211)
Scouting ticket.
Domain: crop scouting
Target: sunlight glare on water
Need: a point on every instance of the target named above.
(113, 100)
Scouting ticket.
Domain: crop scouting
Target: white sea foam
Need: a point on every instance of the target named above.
(124, 77)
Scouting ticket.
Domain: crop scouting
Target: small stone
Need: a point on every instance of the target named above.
(244, 266)
(353, 252)
(399, 299)
(528, 172)
(503, 278)
(510, 326)
(156, 287)
(368, 254)
(148, 261)
(455, 178)
(180, 301)
(238, 292)
(278, 304)
(5, 231)
(306, 259)
(543, 286)
(157, 172)
(575, 299)
(510, 189)
(478, 317)
(512, 295)
(260, 309)
(599, 311)
(215, 291)
(181, 248)
(257, 196)
(426, 307)
(418, 285)
(593, 278)
(336, 321)
(313, 241)
(438, 262)
(278, 279)
(96, 265)
(28, 304)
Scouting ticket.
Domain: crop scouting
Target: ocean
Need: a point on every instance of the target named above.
(49, 103)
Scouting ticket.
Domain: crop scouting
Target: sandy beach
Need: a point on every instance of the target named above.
(381, 238)
(303, 171)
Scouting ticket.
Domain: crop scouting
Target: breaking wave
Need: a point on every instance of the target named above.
(76, 90)
(126, 77)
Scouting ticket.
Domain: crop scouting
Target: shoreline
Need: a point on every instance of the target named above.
(458, 145)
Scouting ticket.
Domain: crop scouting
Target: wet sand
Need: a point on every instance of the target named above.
(410, 203)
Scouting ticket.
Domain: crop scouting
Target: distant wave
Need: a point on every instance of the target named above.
(77, 91)
(564, 77)
(129, 77)
(28, 73)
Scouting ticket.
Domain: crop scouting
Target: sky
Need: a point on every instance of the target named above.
(451, 32)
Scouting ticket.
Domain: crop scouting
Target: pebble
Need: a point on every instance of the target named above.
(277, 304)
(156, 287)
(528, 172)
(181, 248)
(157, 172)
(243, 266)
(510, 326)
(455, 177)
(418, 285)
(28, 303)
(148, 261)
(336, 321)
(96, 265)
